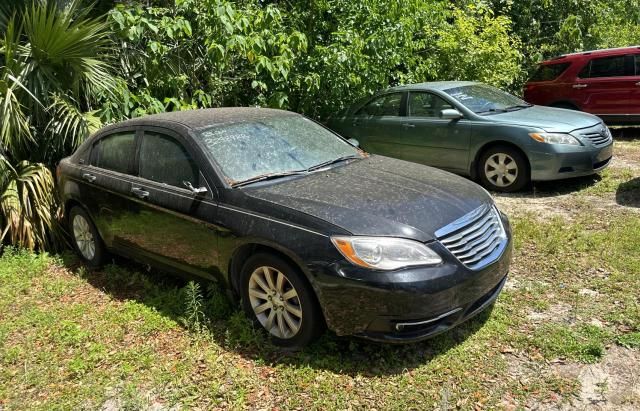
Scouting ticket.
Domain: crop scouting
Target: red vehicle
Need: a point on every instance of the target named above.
(601, 82)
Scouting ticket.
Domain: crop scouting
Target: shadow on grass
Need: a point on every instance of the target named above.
(628, 194)
(228, 327)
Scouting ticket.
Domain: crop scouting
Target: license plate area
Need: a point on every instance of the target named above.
(604, 154)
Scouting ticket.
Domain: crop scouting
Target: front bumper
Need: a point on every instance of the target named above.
(412, 331)
(569, 161)
(411, 304)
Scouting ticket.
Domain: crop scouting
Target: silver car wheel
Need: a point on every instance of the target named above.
(84, 237)
(275, 302)
(501, 169)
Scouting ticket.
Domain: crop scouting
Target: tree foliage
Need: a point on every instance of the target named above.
(548, 28)
(313, 57)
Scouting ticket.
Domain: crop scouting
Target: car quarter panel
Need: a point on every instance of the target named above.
(485, 134)
(308, 244)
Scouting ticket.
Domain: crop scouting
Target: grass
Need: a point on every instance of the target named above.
(122, 337)
(584, 343)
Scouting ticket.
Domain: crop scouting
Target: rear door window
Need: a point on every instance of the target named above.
(387, 105)
(115, 152)
(164, 160)
(604, 67)
(637, 64)
(548, 72)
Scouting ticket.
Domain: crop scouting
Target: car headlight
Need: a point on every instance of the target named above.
(385, 253)
(555, 138)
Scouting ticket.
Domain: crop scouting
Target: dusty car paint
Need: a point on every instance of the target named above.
(210, 235)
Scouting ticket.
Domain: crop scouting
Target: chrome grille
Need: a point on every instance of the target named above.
(477, 239)
(599, 137)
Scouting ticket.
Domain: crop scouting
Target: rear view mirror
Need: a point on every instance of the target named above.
(354, 142)
(450, 114)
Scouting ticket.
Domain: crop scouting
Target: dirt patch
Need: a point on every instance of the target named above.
(565, 206)
(612, 384)
(552, 199)
(542, 207)
(557, 312)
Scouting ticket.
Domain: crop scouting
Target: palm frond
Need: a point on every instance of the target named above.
(27, 205)
(69, 48)
(8, 9)
(69, 126)
(15, 130)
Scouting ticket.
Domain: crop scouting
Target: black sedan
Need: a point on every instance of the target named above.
(300, 224)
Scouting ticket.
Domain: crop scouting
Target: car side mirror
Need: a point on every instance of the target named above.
(450, 114)
(199, 190)
(354, 142)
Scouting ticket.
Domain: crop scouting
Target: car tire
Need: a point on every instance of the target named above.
(503, 168)
(279, 299)
(86, 239)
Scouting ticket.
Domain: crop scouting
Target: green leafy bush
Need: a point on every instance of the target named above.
(312, 57)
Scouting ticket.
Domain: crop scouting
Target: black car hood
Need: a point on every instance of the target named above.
(379, 196)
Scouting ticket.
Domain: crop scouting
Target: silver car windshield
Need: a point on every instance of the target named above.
(484, 99)
(273, 146)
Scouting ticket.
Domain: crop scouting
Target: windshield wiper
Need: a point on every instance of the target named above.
(335, 160)
(517, 107)
(272, 176)
(492, 110)
(269, 176)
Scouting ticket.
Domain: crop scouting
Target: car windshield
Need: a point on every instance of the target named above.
(273, 146)
(484, 99)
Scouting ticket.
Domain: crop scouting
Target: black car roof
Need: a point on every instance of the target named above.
(195, 119)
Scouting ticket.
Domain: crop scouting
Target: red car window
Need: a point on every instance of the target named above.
(604, 67)
(548, 72)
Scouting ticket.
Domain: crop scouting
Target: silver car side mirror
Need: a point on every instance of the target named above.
(450, 114)
(194, 190)
(354, 142)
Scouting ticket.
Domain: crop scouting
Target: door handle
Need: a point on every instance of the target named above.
(579, 85)
(89, 177)
(638, 83)
(408, 125)
(139, 192)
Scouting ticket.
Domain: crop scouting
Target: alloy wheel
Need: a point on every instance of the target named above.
(84, 237)
(501, 169)
(275, 302)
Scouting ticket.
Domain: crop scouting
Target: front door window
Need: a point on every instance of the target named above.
(165, 161)
(426, 105)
